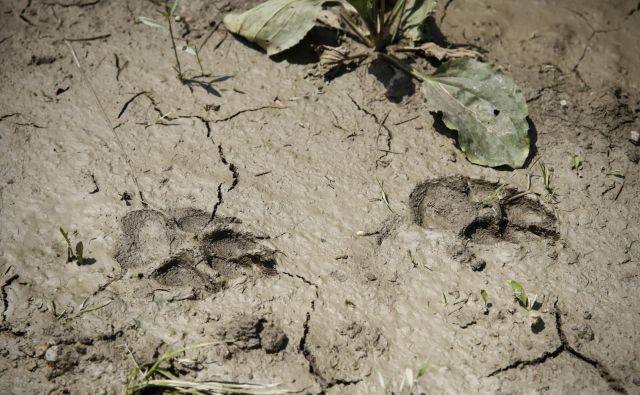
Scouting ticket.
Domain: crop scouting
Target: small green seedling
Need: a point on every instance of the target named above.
(497, 194)
(79, 251)
(576, 163)
(408, 385)
(523, 300)
(158, 378)
(485, 296)
(546, 177)
(485, 106)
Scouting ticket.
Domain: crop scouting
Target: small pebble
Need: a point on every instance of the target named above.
(635, 137)
(52, 354)
(563, 103)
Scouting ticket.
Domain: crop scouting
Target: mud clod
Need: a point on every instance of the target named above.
(273, 339)
(243, 330)
(249, 332)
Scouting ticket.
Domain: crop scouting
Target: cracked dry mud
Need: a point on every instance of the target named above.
(332, 230)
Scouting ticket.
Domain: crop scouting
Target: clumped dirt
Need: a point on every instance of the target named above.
(330, 230)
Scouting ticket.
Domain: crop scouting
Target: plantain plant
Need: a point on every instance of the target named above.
(485, 106)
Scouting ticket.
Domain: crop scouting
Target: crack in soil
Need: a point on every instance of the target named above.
(119, 67)
(302, 345)
(444, 11)
(303, 279)
(633, 11)
(613, 382)
(382, 125)
(235, 114)
(216, 206)
(594, 32)
(5, 296)
(24, 18)
(3, 117)
(232, 168)
(78, 4)
(137, 95)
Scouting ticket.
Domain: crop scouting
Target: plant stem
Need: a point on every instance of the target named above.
(198, 59)
(404, 67)
(173, 44)
(398, 12)
(352, 25)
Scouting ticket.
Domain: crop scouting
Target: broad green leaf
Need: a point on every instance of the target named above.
(415, 15)
(519, 293)
(364, 7)
(276, 25)
(485, 107)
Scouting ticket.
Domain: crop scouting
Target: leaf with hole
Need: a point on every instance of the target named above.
(485, 107)
(276, 25)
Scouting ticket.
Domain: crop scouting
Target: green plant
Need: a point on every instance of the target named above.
(576, 163)
(485, 296)
(157, 377)
(407, 386)
(497, 193)
(546, 178)
(168, 13)
(79, 251)
(524, 301)
(482, 104)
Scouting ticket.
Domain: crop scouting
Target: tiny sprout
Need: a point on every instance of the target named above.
(546, 176)
(409, 382)
(485, 296)
(524, 301)
(497, 194)
(78, 256)
(576, 163)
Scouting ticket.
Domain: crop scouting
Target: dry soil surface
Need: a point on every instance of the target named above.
(331, 229)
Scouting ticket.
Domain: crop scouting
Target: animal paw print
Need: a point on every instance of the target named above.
(481, 211)
(187, 248)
